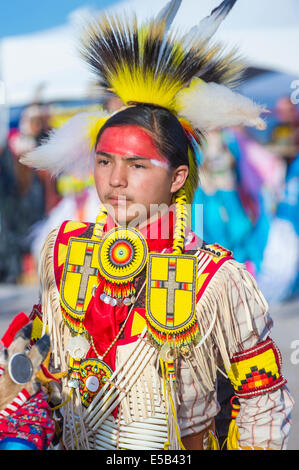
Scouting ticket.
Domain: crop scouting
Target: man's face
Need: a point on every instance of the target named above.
(131, 178)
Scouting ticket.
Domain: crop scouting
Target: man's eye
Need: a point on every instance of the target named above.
(103, 162)
(138, 166)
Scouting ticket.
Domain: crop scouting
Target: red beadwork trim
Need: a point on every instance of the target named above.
(262, 390)
(257, 350)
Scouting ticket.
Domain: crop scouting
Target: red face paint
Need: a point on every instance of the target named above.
(129, 141)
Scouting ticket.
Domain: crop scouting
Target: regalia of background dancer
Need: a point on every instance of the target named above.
(139, 324)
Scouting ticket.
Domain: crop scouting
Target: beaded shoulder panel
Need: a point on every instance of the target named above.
(75, 268)
(210, 258)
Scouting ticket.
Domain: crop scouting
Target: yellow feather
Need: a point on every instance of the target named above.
(94, 127)
(135, 86)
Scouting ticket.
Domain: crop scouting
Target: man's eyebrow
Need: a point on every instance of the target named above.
(129, 159)
(134, 158)
(104, 154)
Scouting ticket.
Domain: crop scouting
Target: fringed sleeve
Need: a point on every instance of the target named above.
(243, 315)
(244, 325)
(233, 317)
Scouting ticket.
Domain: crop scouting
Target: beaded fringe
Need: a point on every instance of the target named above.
(217, 323)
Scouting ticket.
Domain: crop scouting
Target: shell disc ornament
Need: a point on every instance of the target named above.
(122, 256)
(94, 375)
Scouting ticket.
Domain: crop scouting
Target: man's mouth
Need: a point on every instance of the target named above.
(117, 199)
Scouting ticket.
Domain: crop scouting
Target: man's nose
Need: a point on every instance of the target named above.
(118, 176)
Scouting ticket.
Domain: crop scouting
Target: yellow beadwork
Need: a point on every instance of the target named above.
(100, 223)
(240, 371)
(37, 328)
(257, 370)
(181, 222)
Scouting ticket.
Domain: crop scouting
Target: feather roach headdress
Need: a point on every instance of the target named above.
(189, 75)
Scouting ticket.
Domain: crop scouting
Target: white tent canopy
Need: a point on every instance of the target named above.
(266, 32)
(46, 60)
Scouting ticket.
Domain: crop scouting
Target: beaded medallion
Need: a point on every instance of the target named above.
(122, 256)
(93, 376)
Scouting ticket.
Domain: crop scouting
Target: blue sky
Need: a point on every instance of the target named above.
(19, 17)
(26, 16)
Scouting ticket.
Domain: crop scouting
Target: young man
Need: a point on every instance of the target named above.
(141, 313)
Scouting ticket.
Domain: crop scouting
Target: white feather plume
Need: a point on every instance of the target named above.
(209, 106)
(67, 149)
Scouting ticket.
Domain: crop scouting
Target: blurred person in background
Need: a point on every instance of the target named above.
(251, 205)
(36, 191)
(79, 201)
(280, 280)
(240, 186)
(10, 264)
(10, 252)
(284, 140)
(34, 127)
(224, 216)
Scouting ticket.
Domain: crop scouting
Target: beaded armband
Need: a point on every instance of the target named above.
(257, 370)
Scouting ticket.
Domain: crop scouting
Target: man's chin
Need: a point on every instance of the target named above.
(130, 214)
(127, 220)
(121, 218)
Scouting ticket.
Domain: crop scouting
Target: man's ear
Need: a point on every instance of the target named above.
(180, 174)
